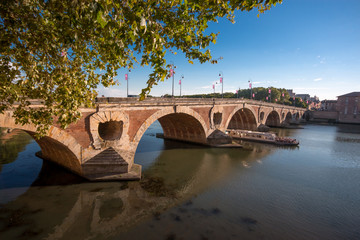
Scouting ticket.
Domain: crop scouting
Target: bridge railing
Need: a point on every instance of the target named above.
(101, 101)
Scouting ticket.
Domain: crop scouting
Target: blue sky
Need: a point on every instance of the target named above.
(310, 46)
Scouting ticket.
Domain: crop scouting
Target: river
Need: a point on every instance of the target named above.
(191, 192)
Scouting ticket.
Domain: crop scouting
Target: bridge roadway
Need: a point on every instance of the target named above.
(102, 144)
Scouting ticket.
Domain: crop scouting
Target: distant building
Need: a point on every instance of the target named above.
(304, 97)
(328, 105)
(291, 93)
(348, 106)
(314, 99)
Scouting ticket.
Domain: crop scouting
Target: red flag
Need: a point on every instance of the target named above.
(221, 79)
(294, 98)
(126, 77)
(180, 82)
(275, 99)
(253, 95)
(269, 90)
(267, 98)
(213, 86)
(171, 72)
(283, 94)
(249, 85)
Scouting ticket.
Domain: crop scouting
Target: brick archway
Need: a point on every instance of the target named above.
(57, 146)
(242, 118)
(194, 124)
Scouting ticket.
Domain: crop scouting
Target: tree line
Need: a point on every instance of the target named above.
(275, 95)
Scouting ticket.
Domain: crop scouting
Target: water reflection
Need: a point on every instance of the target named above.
(107, 209)
(12, 142)
(192, 192)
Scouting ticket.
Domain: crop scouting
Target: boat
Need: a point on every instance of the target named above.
(263, 137)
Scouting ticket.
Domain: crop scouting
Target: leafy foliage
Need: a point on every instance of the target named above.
(59, 51)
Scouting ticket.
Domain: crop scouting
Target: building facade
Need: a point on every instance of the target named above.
(328, 105)
(348, 106)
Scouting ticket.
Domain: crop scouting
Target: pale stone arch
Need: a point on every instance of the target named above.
(166, 112)
(245, 116)
(117, 121)
(272, 119)
(57, 146)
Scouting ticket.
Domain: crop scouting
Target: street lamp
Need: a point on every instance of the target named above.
(270, 93)
(182, 78)
(127, 82)
(221, 75)
(250, 86)
(172, 73)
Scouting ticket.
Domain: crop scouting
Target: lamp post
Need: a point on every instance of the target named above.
(127, 82)
(250, 86)
(172, 73)
(270, 93)
(221, 75)
(180, 82)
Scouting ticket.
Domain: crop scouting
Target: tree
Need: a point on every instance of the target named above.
(60, 50)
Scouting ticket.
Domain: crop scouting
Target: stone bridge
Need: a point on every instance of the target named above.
(102, 144)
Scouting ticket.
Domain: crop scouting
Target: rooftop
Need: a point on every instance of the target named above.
(352, 94)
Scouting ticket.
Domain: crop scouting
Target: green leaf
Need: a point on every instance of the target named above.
(100, 19)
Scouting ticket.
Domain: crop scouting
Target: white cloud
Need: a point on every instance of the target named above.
(317, 79)
(110, 92)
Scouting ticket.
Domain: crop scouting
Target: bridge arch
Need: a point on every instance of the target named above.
(57, 146)
(296, 116)
(273, 119)
(242, 118)
(179, 123)
(288, 118)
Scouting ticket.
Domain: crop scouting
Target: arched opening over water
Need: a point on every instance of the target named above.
(296, 116)
(243, 119)
(288, 117)
(55, 151)
(184, 127)
(273, 119)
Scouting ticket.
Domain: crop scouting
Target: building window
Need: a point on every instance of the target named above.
(356, 99)
(355, 109)
(345, 112)
(347, 100)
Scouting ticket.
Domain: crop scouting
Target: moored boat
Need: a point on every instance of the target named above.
(264, 137)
